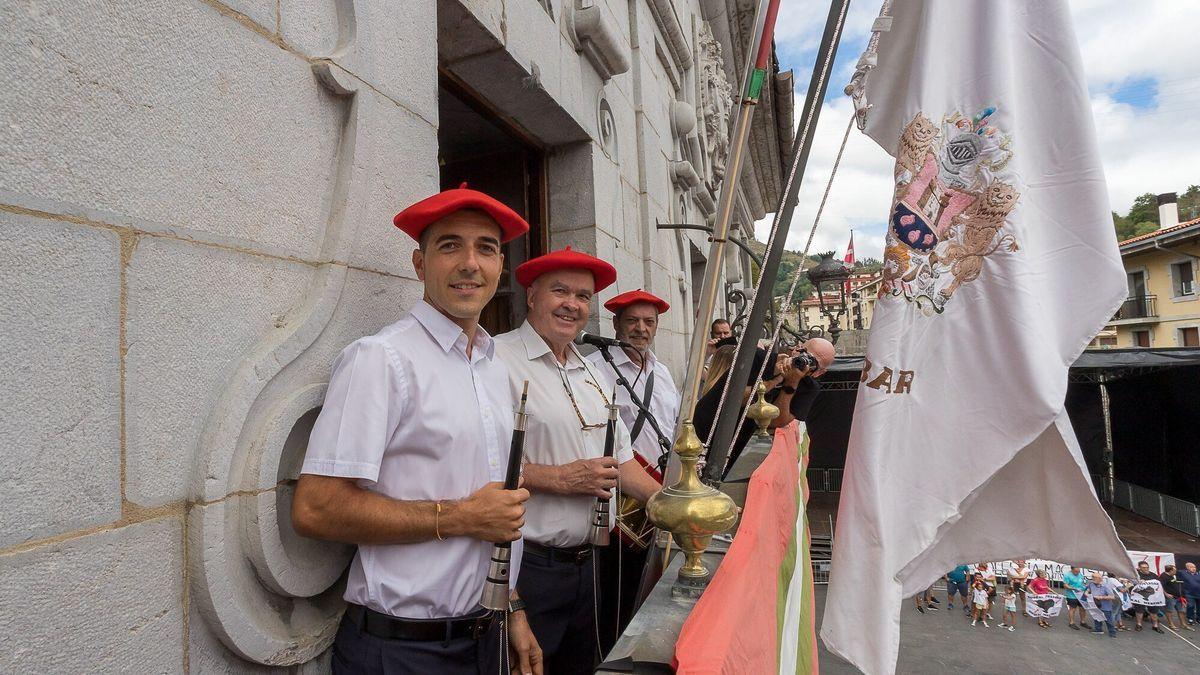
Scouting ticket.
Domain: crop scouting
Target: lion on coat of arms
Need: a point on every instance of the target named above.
(949, 209)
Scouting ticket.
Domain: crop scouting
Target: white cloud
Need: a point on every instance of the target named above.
(1120, 39)
(1144, 149)
(859, 197)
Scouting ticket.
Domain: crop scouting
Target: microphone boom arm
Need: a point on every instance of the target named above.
(663, 442)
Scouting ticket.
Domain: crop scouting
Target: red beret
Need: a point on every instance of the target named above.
(421, 215)
(620, 302)
(566, 259)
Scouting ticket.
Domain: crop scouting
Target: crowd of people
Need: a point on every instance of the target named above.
(978, 589)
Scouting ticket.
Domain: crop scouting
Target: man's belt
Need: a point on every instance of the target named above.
(573, 554)
(418, 630)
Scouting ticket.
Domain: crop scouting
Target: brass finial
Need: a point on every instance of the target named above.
(690, 510)
(762, 412)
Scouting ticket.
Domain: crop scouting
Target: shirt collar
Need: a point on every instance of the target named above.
(446, 333)
(620, 358)
(536, 347)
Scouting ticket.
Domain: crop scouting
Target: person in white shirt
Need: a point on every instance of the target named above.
(564, 441)
(635, 321)
(979, 603)
(1019, 574)
(989, 581)
(651, 428)
(407, 459)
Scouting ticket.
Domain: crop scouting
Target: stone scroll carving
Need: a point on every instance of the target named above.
(269, 595)
(716, 96)
(596, 38)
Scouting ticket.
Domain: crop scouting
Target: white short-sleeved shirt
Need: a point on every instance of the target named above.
(989, 577)
(413, 418)
(553, 433)
(663, 403)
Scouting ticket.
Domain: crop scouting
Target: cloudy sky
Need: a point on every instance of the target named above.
(1143, 71)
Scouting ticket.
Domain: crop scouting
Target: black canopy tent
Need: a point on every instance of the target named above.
(1136, 413)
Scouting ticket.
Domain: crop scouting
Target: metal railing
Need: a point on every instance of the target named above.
(1122, 495)
(824, 480)
(1137, 307)
(1176, 513)
(1181, 515)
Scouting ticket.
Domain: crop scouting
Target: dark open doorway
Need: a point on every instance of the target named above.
(479, 147)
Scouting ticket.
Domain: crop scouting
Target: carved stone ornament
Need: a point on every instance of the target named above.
(683, 119)
(716, 99)
(596, 37)
(269, 595)
(606, 126)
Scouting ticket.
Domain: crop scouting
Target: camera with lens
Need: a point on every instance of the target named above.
(805, 362)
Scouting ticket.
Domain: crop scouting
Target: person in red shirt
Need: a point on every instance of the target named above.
(1040, 585)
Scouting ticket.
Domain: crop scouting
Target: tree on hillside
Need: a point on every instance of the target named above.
(868, 265)
(1189, 203)
(1143, 215)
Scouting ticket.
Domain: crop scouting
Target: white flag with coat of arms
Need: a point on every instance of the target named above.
(1001, 264)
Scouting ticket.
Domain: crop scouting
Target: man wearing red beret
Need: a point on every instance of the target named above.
(564, 447)
(651, 428)
(407, 457)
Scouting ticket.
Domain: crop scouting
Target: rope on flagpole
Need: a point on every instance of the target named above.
(787, 300)
(826, 67)
(856, 90)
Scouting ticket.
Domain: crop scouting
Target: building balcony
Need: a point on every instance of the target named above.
(1138, 309)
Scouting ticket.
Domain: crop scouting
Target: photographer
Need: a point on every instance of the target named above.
(791, 383)
(800, 371)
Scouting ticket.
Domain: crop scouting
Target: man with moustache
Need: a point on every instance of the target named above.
(564, 447)
(407, 459)
(635, 321)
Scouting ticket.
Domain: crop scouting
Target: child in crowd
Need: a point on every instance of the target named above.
(980, 602)
(1010, 608)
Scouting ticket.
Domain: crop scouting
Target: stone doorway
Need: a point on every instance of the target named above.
(477, 146)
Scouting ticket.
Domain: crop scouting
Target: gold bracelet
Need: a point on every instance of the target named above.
(437, 517)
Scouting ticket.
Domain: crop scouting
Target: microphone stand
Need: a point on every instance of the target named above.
(663, 442)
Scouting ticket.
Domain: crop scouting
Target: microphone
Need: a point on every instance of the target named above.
(586, 338)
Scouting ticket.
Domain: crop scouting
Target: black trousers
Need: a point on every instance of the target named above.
(620, 579)
(561, 612)
(356, 651)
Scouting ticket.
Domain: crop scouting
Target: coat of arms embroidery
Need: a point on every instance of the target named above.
(949, 208)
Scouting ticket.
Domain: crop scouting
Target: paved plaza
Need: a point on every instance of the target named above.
(945, 642)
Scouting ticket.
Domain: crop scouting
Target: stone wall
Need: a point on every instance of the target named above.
(195, 210)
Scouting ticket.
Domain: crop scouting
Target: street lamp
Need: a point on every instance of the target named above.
(829, 276)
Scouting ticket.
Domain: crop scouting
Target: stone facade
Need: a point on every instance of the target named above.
(196, 202)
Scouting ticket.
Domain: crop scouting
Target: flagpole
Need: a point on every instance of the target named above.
(689, 509)
(752, 83)
(724, 431)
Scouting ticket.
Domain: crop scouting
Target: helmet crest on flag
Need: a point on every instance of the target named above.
(950, 207)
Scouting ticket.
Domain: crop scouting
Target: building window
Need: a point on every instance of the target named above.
(1189, 337)
(1106, 341)
(1182, 280)
(1141, 338)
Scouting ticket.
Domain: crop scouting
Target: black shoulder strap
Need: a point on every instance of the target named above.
(641, 418)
